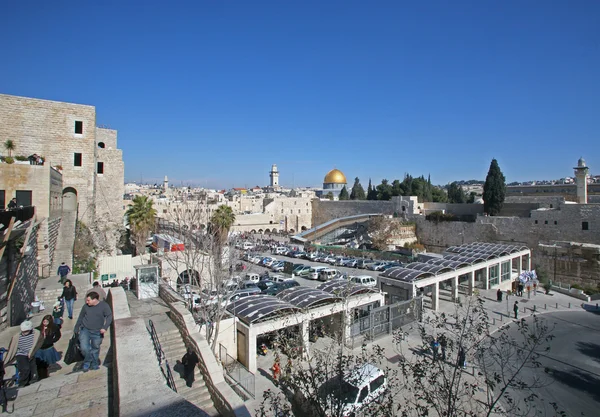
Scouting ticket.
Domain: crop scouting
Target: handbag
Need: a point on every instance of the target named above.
(73, 353)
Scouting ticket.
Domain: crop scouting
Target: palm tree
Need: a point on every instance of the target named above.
(141, 217)
(221, 221)
(9, 145)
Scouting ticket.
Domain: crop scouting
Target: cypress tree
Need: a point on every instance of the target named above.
(358, 192)
(371, 192)
(344, 194)
(494, 190)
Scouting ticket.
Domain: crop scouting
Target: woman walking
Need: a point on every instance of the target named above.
(47, 354)
(70, 295)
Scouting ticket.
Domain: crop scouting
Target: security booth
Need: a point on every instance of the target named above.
(146, 280)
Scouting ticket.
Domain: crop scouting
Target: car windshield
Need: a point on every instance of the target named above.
(345, 392)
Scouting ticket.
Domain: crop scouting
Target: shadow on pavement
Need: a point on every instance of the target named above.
(590, 349)
(591, 308)
(579, 380)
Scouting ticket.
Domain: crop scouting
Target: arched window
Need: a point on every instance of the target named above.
(101, 145)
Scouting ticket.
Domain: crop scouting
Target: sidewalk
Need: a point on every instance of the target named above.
(67, 391)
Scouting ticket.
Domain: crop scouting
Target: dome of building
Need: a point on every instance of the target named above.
(581, 163)
(335, 176)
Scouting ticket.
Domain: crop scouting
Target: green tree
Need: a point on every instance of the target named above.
(329, 196)
(344, 194)
(471, 198)
(371, 192)
(141, 218)
(397, 188)
(456, 193)
(220, 223)
(494, 190)
(9, 145)
(358, 192)
(384, 190)
(438, 195)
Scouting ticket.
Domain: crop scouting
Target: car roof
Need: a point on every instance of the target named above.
(362, 373)
(361, 276)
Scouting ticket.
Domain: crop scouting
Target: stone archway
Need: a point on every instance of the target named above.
(69, 199)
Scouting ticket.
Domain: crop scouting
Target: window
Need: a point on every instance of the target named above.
(555, 222)
(100, 169)
(23, 198)
(101, 145)
(585, 226)
(363, 394)
(505, 269)
(78, 127)
(77, 160)
(551, 206)
(493, 275)
(546, 222)
(536, 222)
(376, 383)
(298, 211)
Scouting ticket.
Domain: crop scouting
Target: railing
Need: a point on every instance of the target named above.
(22, 213)
(160, 355)
(243, 379)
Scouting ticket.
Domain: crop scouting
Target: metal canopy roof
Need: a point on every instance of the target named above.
(257, 308)
(469, 259)
(495, 249)
(448, 263)
(344, 288)
(405, 274)
(303, 297)
(426, 267)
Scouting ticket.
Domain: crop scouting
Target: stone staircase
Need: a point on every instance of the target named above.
(65, 241)
(67, 391)
(174, 348)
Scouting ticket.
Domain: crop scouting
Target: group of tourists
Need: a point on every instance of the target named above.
(32, 349)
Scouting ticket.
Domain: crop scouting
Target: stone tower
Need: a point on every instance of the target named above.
(274, 176)
(581, 174)
(166, 185)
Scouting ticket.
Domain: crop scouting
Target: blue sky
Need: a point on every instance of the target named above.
(214, 92)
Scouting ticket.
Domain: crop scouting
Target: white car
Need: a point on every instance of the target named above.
(314, 272)
(357, 388)
(366, 280)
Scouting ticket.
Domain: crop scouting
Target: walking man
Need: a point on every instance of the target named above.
(93, 322)
(516, 309)
(97, 289)
(189, 361)
(434, 349)
(443, 345)
(63, 271)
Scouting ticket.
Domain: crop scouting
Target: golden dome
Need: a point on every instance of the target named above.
(335, 176)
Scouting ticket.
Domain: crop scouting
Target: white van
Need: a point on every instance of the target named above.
(247, 245)
(327, 274)
(360, 387)
(366, 280)
(314, 272)
(281, 250)
(252, 277)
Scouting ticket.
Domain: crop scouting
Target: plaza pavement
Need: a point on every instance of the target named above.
(412, 343)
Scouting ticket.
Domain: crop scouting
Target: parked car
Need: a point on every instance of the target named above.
(363, 263)
(263, 285)
(281, 250)
(366, 280)
(327, 274)
(279, 278)
(314, 272)
(351, 263)
(328, 259)
(299, 254)
(355, 389)
(250, 276)
(280, 286)
(376, 266)
(302, 271)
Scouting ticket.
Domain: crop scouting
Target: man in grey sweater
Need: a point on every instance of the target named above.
(93, 322)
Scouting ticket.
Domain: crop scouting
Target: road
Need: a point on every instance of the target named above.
(571, 368)
(305, 281)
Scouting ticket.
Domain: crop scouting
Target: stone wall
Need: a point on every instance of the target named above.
(226, 401)
(53, 228)
(26, 278)
(323, 211)
(575, 263)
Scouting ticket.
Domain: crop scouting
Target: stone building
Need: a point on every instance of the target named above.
(66, 136)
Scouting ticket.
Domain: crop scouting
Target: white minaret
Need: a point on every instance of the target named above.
(274, 176)
(581, 174)
(166, 184)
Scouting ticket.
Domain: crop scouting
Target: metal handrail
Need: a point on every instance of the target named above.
(160, 355)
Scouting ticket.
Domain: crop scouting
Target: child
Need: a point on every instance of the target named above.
(57, 312)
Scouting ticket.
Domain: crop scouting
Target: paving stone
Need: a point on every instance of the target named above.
(70, 409)
(57, 382)
(30, 389)
(24, 411)
(93, 411)
(96, 384)
(42, 413)
(35, 398)
(99, 374)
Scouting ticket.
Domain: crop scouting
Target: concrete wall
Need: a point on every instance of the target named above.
(226, 401)
(323, 211)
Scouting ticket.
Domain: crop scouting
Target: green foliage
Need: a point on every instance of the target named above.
(9, 160)
(344, 194)
(471, 198)
(371, 192)
(141, 217)
(456, 194)
(384, 190)
(10, 146)
(358, 192)
(494, 190)
(438, 216)
(84, 259)
(21, 158)
(329, 196)
(438, 195)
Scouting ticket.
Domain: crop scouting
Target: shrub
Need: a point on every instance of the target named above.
(547, 286)
(577, 286)
(9, 160)
(21, 158)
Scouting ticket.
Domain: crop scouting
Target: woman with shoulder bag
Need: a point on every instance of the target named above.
(70, 295)
(47, 354)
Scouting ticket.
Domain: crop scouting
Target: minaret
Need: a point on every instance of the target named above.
(166, 185)
(274, 174)
(581, 174)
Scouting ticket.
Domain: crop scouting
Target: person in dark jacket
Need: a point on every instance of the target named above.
(189, 361)
(63, 271)
(70, 295)
(47, 354)
(12, 204)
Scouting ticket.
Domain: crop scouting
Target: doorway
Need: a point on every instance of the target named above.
(69, 197)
